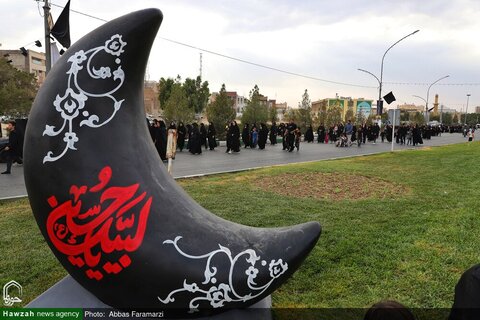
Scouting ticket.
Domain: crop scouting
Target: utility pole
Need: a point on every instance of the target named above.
(466, 108)
(200, 65)
(48, 54)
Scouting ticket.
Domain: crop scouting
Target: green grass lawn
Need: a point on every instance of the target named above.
(411, 246)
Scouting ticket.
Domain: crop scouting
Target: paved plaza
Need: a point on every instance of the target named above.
(217, 161)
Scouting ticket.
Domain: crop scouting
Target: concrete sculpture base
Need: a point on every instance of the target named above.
(67, 293)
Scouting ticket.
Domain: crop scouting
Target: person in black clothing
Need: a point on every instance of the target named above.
(466, 303)
(321, 133)
(417, 135)
(211, 135)
(181, 131)
(375, 132)
(151, 129)
(309, 134)
(273, 133)
(195, 140)
(161, 139)
(389, 309)
(246, 135)
(203, 135)
(262, 136)
(235, 137)
(283, 132)
(12, 150)
(189, 135)
(291, 135)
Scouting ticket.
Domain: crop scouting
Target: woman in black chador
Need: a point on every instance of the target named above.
(321, 134)
(309, 134)
(195, 140)
(203, 136)
(234, 133)
(273, 133)
(161, 140)
(211, 135)
(181, 131)
(246, 135)
(262, 136)
(189, 135)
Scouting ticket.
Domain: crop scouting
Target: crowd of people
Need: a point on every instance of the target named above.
(194, 137)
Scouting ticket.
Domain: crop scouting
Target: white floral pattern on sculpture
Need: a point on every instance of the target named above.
(76, 98)
(70, 104)
(115, 45)
(217, 295)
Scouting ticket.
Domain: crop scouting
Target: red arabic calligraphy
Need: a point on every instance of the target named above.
(91, 237)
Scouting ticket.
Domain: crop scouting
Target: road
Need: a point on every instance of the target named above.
(217, 161)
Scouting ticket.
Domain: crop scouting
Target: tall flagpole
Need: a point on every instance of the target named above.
(48, 53)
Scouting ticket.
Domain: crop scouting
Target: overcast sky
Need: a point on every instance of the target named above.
(326, 40)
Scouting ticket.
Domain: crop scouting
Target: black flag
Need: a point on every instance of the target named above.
(389, 97)
(61, 29)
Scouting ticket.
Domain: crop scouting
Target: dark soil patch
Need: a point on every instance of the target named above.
(330, 186)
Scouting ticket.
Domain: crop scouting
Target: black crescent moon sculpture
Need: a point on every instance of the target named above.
(109, 210)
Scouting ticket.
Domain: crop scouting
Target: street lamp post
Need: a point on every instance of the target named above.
(466, 108)
(424, 100)
(380, 81)
(383, 58)
(48, 54)
(428, 94)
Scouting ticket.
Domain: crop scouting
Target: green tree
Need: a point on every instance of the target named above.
(404, 116)
(221, 111)
(334, 115)
(255, 111)
(360, 119)
(384, 116)
(371, 118)
(176, 107)
(197, 93)
(455, 119)
(272, 114)
(350, 115)
(165, 89)
(291, 115)
(472, 119)
(304, 112)
(447, 118)
(17, 90)
(322, 116)
(417, 117)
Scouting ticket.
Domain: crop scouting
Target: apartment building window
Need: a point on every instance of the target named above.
(37, 61)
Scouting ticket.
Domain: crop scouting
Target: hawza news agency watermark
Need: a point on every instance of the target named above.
(12, 292)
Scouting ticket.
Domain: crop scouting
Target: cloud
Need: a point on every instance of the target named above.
(322, 39)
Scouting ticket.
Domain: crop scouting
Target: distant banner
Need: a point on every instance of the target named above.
(365, 108)
(336, 103)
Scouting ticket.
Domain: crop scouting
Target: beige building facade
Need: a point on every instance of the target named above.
(31, 62)
(151, 99)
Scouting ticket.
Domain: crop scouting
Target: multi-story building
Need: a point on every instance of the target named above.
(477, 109)
(406, 107)
(29, 61)
(357, 105)
(151, 99)
(281, 109)
(238, 101)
